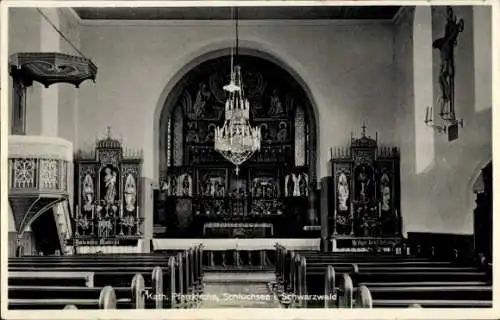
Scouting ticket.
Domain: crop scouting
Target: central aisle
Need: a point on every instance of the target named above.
(231, 289)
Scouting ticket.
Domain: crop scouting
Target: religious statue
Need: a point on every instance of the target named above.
(110, 185)
(185, 185)
(385, 192)
(446, 46)
(364, 183)
(276, 108)
(296, 189)
(289, 184)
(304, 185)
(173, 185)
(88, 192)
(130, 193)
(343, 192)
(201, 101)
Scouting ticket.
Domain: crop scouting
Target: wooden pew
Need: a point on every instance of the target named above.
(111, 267)
(104, 298)
(437, 298)
(371, 266)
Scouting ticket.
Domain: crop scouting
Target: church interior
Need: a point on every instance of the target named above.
(265, 157)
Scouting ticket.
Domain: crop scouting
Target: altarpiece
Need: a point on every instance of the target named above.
(107, 195)
(365, 194)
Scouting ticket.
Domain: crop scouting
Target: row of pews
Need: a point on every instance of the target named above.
(120, 281)
(316, 279)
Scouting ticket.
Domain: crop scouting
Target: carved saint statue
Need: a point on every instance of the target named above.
(364, 183)
(130, 193)
(276, 108)
(385, 191)
(88, 192)
(304, 185)
(201, 101)
(343, 192)
(446, 46)
(296, 186)
(184, 185)
(110, 185)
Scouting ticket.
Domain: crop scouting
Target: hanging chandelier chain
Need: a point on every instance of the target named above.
(60, 33)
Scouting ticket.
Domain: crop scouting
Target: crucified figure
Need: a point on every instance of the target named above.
(446, 46)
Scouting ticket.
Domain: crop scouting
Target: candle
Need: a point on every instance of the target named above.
(137, 212)
(121, 210)
(93, 208)
(77, 212)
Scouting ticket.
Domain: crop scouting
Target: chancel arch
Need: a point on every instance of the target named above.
(199, 185)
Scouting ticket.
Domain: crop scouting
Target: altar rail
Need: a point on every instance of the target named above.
(236, 244)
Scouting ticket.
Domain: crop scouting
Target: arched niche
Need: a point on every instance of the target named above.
(280, 105)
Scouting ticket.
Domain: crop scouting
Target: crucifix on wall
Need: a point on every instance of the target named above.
(446, 46)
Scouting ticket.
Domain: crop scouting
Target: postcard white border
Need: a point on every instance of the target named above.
(244, 313)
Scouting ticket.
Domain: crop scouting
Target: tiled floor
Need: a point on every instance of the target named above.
(238, 290)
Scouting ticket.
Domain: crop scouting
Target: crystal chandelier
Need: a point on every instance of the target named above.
(236, 140)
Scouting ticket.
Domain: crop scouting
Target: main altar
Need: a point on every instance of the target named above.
(272, 194)
(365, 195)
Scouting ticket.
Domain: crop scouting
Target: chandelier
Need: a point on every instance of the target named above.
(236, 140)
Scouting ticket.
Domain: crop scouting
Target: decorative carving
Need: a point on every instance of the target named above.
(185, 185)
(51, 67)
(216, 194)
(296, 185)
(107, 209)
(366, 193)
(300, 137)
(130, 193)
(24, 173)
(49, 174)
(88, 191)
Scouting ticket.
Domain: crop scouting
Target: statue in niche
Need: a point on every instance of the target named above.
(446, 46)
(343, 192)
(296, 181)
(364, 182)
(200, 102)
(110, 179)
(282, 133)
(385, 191)
(184, 185)
(214, 187)
(276, 107)
(130, 193)
(172, 185)
(88, 192)
(303, 184)
(289, 184)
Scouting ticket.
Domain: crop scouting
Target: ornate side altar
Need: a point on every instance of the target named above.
(366, 193)
(107, 210)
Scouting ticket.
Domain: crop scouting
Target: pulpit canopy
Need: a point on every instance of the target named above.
(51, 67)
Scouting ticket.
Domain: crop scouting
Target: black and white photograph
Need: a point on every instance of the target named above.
(260, 159)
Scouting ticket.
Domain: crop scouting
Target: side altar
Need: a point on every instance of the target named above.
(365, 211)
(107, 196)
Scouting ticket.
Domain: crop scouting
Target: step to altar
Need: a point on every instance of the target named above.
(238, 290)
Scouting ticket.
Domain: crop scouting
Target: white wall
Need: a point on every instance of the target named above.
(440, 199)
(347, 66)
